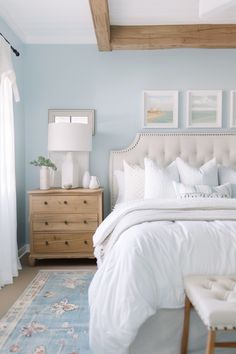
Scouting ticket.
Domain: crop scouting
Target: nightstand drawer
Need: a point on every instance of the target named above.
(64, 222)
(65, 204)
(50, 243)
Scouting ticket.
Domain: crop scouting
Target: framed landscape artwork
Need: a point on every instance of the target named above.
(204, 109)
(160, 109)
(233, 109)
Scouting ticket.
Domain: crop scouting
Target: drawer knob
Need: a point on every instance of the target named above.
(85, 242)
(46, 243)
(46, 223)
(66, 222)
(45, 203)
(65, 201)
(85, 221)
(85, 201)
(66, 243)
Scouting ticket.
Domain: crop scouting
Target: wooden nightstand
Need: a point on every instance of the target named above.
(62, 222)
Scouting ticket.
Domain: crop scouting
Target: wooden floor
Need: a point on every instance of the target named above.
(10, 293)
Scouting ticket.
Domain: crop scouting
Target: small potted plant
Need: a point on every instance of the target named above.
(45, 166)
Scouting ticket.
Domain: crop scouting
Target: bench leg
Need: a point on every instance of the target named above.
(184, 343)
(211, 342)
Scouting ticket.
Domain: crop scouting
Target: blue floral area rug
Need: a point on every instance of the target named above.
(51, 317)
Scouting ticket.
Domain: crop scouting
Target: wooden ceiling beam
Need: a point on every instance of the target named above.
(173, 36)
(101, 21)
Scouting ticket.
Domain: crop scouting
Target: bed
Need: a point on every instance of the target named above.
(136, 297)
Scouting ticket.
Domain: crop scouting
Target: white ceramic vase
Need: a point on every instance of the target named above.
(44, 177)
(86, 179)
(94, 182)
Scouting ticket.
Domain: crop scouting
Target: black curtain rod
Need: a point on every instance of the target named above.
(12, 48)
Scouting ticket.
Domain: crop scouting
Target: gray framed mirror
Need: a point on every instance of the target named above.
(82, 116)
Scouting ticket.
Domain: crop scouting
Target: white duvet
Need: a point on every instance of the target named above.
(144, 249)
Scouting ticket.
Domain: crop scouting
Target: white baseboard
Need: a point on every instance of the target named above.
(23, 250)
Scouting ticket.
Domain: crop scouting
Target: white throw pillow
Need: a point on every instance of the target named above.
(202, 191)
(206, 174)
(158, 181)
(228, 175)
(133, 182)
(119, 175)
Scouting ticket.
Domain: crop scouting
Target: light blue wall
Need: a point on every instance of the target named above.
(111, 83)
(19, 130)
(70, 76)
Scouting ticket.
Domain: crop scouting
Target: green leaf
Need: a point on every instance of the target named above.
(43, 161)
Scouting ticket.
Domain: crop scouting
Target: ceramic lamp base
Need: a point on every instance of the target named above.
(69, 172)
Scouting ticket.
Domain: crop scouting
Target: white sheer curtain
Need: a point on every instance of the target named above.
(9, 263)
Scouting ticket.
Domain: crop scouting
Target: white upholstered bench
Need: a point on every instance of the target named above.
(214, 299)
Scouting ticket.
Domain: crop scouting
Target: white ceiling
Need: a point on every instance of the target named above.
(124, 12)
(49, 21)
(70, 21)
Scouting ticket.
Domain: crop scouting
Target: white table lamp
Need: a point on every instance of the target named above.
(69, 137)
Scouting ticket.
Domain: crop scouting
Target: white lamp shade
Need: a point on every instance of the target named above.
(69, 137)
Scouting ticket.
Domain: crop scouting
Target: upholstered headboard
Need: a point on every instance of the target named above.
(164, 148)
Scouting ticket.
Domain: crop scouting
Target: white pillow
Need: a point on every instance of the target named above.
(202, 191)
(227, 174)
(133, 182)
(158, 181)
(119, 175)
(206, 174)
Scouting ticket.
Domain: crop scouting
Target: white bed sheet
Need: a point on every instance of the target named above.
(145, 261)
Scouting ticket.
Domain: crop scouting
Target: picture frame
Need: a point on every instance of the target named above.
(160, 109)
(85, 116)
(233, 109)
(204, 109)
